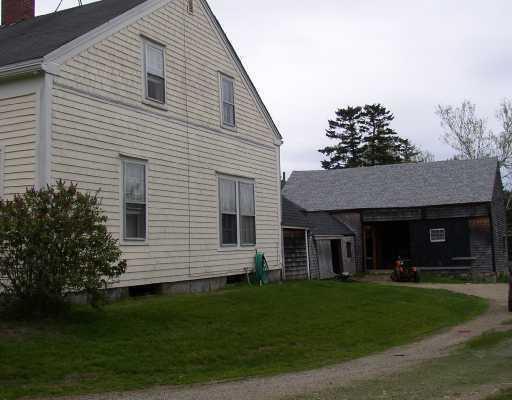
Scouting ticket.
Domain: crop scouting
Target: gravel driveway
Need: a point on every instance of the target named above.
(388, 362)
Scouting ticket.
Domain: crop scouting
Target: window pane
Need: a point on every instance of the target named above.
(247, 230)
(229, 232)
(228, 114)
(227, 189)
(437, 235)
(246, 199)
(134, 182)
(155, 60)
(156, 88)
(135, 221)
(349, 250)
(228, 91)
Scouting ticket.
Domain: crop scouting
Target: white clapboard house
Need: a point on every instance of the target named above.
(147, 101)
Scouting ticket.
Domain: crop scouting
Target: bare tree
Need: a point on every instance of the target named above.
(424, 156)
(469, 135)
(465, 132)
(504, 138)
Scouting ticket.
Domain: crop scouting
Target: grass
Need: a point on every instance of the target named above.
(236, 333)
(438, 278)
(428, 277)
(504, 395)
(482, 362)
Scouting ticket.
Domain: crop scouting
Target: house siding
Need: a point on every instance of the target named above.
(354, 221)
(481, 244)
(295, 254)
(499, 230)
(314, 265)
(19, 105)
(99, 115)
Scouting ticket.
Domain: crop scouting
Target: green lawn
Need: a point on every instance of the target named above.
(505, 395)
(239, 332)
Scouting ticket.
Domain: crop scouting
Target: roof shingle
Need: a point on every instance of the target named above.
(394, 186)
(319, 223)
(34, 38)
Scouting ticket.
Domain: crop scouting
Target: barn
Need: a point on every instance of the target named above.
(444, 216)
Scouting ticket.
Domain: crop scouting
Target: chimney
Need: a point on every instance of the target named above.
(17, 10)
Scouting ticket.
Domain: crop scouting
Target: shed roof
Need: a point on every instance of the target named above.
(319, 223)
(394, 186)
(36, 37)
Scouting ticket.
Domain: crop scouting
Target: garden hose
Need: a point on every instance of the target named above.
(261, 271)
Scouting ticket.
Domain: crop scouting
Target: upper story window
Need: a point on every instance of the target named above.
(154, 71)
(190, 6)
(438, 235)
(237, 212)
(134, 200)
(227, 86)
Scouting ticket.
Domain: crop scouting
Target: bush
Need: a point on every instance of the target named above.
(53, 243)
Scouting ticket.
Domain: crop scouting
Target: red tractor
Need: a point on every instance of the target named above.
(405, 272)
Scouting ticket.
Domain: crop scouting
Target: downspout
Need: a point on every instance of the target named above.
(307, 255)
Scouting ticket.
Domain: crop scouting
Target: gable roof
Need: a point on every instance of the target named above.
(319, 223)
(394, 186)
(36, 37)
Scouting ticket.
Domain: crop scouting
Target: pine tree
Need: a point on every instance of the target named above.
(380, 141)
(346, 128)
(365, 138)
(407, 152)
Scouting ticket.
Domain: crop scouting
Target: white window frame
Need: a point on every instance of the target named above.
(146, 43)
(223, 76)
(190, 7)
(238, 244)
(434, 232)
(124, 239)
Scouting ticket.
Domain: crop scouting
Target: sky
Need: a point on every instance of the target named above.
(309, 58)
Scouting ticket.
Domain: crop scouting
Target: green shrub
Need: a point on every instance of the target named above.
(54, 243)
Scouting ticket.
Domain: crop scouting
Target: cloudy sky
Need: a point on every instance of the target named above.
(308, 58)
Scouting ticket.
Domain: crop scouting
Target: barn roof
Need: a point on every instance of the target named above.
(36, 37)
(319, 223)
(394, 186)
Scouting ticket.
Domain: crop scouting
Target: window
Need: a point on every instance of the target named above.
(349, 249)
(190, 6)
(228, 100)
(237, 212)
(247, 214)
(154, 70)
(134, 199)
(228, 211)
(438, 235)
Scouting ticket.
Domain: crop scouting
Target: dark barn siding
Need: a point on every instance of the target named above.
(295, 256)
(500, 226)
(427, 254)
(481, 244)
(353, 221)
